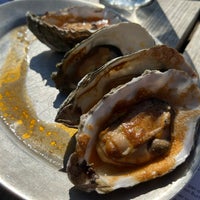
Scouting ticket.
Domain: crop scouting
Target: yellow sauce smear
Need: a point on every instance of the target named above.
(47, 139)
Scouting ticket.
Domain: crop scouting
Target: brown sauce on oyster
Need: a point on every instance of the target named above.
(61, 30)
(144, 133)
(75, 23)
(151, 169)
(85, 63)
(163, 116)
(95, 58)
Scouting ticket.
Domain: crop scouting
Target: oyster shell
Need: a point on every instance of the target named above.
(61, 30)
(94, 85)
(106, 44)
(118, 130)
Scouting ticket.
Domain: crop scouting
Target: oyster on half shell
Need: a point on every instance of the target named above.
(61, 30)
(104, 45)
(138, 131)
(118, 71)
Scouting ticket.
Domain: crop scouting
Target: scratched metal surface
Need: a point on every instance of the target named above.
(28, 174)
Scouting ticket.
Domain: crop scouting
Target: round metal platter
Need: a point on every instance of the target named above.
(32, 159)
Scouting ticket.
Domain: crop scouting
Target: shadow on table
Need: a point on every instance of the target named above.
(45, 64)
(4, 1)
(188, 59)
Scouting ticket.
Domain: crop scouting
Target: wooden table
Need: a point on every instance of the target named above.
(173, 22)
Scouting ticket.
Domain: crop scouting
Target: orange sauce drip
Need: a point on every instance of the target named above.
(46, 139)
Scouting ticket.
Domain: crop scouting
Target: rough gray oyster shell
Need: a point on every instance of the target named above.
(120, 143)
(104, 45)
(118, 71)
(62, 30)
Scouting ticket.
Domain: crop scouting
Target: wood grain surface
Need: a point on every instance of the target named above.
(192, 50)
(170, 21)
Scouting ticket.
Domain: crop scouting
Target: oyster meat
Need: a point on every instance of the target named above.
(104, 45)
(61, 30)
(138, 131)
(118, 71)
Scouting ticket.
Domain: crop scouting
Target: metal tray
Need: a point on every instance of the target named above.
(32, 160)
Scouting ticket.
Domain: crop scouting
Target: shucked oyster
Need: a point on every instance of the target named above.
(94, 85)
(108, 43)
(61, 30)
(136, 132)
